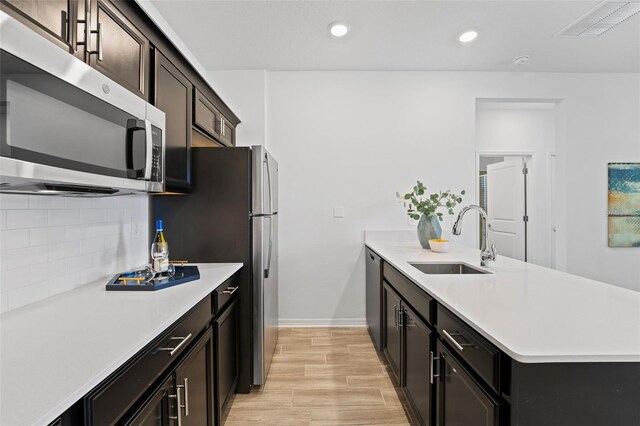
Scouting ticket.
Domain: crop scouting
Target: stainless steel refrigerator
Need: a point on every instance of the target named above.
(265, 261)
(231, 215)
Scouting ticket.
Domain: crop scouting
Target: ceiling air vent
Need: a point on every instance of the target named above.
(600, 19)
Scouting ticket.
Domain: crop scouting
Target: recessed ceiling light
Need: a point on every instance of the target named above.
(338, 29)
(467, 36)
(520, 60)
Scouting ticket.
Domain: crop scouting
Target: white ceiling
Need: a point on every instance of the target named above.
(398, 35)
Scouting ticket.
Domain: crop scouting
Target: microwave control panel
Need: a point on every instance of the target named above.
(156, 162)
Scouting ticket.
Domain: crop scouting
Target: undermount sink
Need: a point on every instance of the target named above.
(447, 268)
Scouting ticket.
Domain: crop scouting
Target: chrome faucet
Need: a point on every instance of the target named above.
(488, 254)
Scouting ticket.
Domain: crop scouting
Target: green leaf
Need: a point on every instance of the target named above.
(407, 196)
(462, 192)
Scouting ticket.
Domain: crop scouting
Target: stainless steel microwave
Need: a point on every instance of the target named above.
(67, 129)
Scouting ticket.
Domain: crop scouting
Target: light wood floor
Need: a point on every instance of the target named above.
(323, 376)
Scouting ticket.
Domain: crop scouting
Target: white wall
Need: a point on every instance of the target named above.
(49, 245)
(353, 139)
(523, 127)
(244, 92)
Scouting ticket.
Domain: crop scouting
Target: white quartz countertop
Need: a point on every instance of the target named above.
(533, 314)
(55, 351)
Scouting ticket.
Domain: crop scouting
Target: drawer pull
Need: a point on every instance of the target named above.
(450, 337)
(172, 351)
(230, 290)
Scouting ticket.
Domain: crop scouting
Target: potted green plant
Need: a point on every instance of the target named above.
(424, 209)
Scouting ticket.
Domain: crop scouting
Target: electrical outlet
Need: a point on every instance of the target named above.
(338, 212)
(136, 232)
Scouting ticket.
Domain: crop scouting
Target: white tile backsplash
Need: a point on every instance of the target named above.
(49, 245)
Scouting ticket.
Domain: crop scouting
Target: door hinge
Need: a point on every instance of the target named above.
(525, 218)
(525, 171)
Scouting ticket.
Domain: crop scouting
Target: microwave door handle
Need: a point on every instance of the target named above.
(133, 126)
(148, 136)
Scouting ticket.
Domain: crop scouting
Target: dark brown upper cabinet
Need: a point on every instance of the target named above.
(56, 20)
(117, 48)
(206, 116)
(208, 119)
(172, 93)
(227, 132)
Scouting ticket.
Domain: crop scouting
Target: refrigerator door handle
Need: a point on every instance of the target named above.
(266, 270)
(268, 172)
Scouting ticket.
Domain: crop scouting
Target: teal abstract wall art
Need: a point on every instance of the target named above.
(624, 204)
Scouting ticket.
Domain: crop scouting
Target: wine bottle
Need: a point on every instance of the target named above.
(160, 250)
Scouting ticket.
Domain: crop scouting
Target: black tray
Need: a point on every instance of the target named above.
(182, 275)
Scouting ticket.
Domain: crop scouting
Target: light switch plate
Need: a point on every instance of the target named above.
(338, 212)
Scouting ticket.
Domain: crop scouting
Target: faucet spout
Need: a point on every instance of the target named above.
(488, 254)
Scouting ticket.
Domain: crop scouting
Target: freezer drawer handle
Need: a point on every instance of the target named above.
(172, 351)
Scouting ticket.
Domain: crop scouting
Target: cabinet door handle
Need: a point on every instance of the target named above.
(401, 314)
(98, 50)
(175, 349)
(395, 316)
(64, 30)
(186, 396)
(230, 290)
(432, 367)
(179, 405)
(449, 336)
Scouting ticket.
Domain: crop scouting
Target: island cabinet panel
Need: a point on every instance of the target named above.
(392, 329)
(172, 94)
(461, 400)
(117, 48)
(575, 393)
(374, 297)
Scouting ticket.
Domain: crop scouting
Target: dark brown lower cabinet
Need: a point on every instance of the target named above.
(186, 396)
(194, 384)
(226, 360)
(392, 330)
(418, 376)
(158, 408)
(461, 400)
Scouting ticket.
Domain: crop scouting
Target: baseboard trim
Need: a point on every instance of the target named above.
(322, 322)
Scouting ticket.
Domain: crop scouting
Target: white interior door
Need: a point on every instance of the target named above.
(506, 207)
